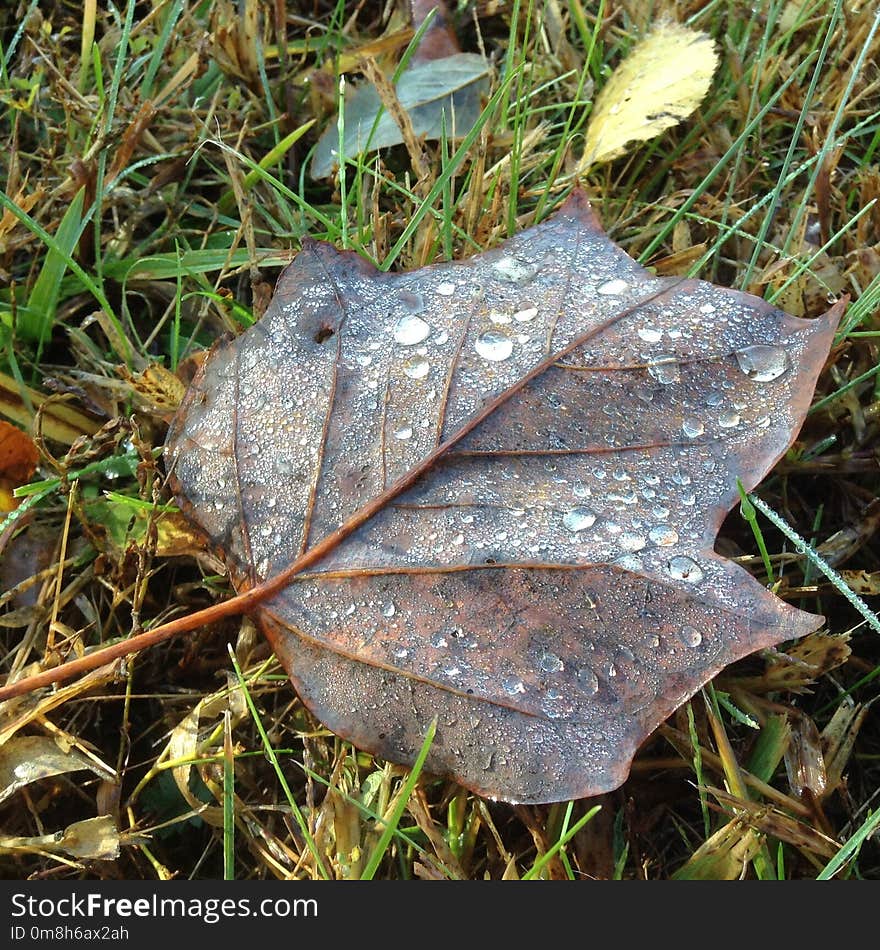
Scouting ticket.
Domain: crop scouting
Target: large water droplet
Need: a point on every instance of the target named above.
(550, 663)
(665, 370)
(411, 330)
(685, 569)
(663, 535)
(389, 610)
(588, 681)
(728, 419)
(690, 636)
(513, 685)
(403, 433)
(692, 428)
(446, 289)
(513, 270)
(612, 287)
(631, 542)
(494, 345)
(526, 315)
(650, 334)
(417, 368)
(762, 363)
(579, 519)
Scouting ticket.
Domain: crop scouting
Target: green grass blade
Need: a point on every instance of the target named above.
(36, 320)
(273, 759)
(563, 840)
(403, 795)
(851, 848)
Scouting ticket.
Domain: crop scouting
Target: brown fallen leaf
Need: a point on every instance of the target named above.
(18, 461)
(488, 491)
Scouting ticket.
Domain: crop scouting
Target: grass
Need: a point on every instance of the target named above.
(155, 182)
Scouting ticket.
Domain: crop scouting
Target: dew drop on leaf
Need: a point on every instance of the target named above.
(763, 363)
(578, 519)
(494, 345)
(417, 368)
(685, 569)
(411, 330)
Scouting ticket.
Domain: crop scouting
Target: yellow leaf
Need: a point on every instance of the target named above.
(662, 80)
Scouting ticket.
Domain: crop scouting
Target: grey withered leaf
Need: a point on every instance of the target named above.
(498, 482)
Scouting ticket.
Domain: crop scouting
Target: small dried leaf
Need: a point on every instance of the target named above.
(157, 388)
(660, 82)
(60, 422)
(838, 741)
(804, 761)
(724, 856)
(440, 97)
(18, 461)
(95, 839)
(27, 759)
(774, 823)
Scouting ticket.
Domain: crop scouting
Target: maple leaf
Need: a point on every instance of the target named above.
(490, 490)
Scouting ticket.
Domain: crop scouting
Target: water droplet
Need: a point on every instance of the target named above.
(665, 370)
(403, 433)
(762, 363)
(550, 663)
(494, 345)
(728, 419)
(389, 610)
(690, 636)
(692, 428)
(663, 535)
(611, 287)
(417, 368)
(409, 331)
(446, 289)
(588, 681)
(650, 334)
(441, 338)
(707, 308)
(363, 359)
(714, 399)
(685, 569)
(632, 542)
(458, 539)
(513, 270)
(513, 685)
(579, 519)
(526, 315)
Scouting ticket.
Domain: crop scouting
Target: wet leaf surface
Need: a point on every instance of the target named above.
(494, 486)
